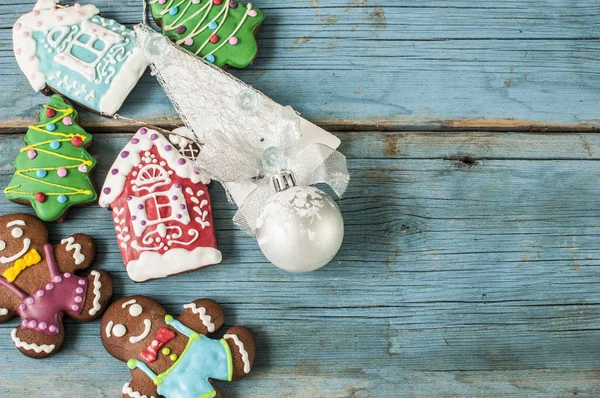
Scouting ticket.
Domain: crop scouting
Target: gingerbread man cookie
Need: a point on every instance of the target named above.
(173, 357)
(38, 283)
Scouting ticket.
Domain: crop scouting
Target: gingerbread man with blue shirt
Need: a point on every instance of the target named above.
(174, 357)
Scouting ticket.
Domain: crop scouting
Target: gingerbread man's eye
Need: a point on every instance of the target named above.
(2, 245)
(119, 330)
(135, 310)
(16, 232)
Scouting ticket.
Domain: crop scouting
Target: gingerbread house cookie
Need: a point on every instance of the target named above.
(161, 209)
(75, 52)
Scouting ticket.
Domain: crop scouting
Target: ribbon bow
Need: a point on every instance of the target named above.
(29, 259)
(230, 161)
(163, 336)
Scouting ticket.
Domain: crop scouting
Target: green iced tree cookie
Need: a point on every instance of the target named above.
(220, 31)
(53, 169)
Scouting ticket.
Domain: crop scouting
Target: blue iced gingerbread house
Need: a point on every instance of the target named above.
(72, 50)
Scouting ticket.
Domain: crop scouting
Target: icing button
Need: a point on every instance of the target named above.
(114, 172)
(78, 299)
(174, 11)
(252, 13)
(52, 328)
(106, 190)
(41, 173)
(211, 58)
(189, 41)
(32, 324)
(22, 307)
(181, 161)
(173, 357)
(50, 112)
(75, 307)
(124, 154)
(81, 282)
(49, 286)
(82, 168)
(51, 127)
(67, 275)
(62, 172)
(42, 326)
(29, 300)
(135, 141)
(79, 290)
(67, 121)
(181, 29)
(153, 137)
(166, 351)
(234, 41)
(24, 322)
(54, 144)
(143, 130)
(233, 4)
(212, 25)
(57, 279)
(214, 39)
(77, 141)
(40, 197)
(40, 293)
(61, 199)
(217, 2)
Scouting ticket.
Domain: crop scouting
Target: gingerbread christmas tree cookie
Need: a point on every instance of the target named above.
(220, 31)
(53, 170)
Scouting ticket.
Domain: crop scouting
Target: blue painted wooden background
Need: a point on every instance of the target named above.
(471, 261)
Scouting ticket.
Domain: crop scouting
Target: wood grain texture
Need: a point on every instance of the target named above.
(433, 64)
(469, 268)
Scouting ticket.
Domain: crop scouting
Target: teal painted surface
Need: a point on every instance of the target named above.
(404, 63)
(470, 264)
(469, 268)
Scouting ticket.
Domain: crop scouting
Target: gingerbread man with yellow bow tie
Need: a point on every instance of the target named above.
(38, 283)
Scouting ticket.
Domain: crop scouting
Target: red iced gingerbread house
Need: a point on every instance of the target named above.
(161, 209)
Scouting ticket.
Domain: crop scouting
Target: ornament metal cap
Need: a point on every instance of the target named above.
(283, 180)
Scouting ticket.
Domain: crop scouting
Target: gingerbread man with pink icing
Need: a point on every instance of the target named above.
(38, 283)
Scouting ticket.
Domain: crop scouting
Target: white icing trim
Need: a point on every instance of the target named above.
(109, 327)
(3, 311)
(31, 347)
(6, 260)
(16, 222)
(145, 333)
(122, 85)
(71, 245)
(97, 295)
(44, 18)
(116, 183)
(133, 394)
(243, 351)
(151, 265)
(201, 312)
(125, 304)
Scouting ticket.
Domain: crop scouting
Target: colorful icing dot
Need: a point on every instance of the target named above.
(174, 197)
(79, 290)
(173, 357)
(32, 324)
(61, 199)
(252, 13)
(40, 197)
(83, 168)
(214, 39)
(135, 141)
(42, 326)
(174, 11)
(140, 207)
(181, 161)
(31, 154)
(142, 222)
(181, 29)
(212, 25)
(81, 282)
(54, 144)
(40, 293)
(189, 42)
(233, 40)
(62, 172)
(67, 121)
(24, 323)
(166, 351)
(51, 127)
(124, 154)
(143, 130)
(78, 299)
(217, 2)
(168, 148)
(77, 141)
(41, 173)
(211, 58)
(161, 2)
(106, 191)
(49, 286)
(29, 300)
(57, 279)
(67, 275)
(50, 112)
(153, 137)
(52, 329)
(75, 307)
(195, 1)
(114, 172)
(233, 4)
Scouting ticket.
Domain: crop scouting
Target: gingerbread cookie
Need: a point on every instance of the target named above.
(39, 284)
(53, 170)
(161, 209)
(220, 31)
(71, 50)
(173, 357)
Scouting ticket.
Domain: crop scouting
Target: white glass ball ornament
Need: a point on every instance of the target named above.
(300, 229)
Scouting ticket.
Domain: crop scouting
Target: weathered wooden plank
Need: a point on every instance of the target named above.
(469, 268)
(420, 65)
